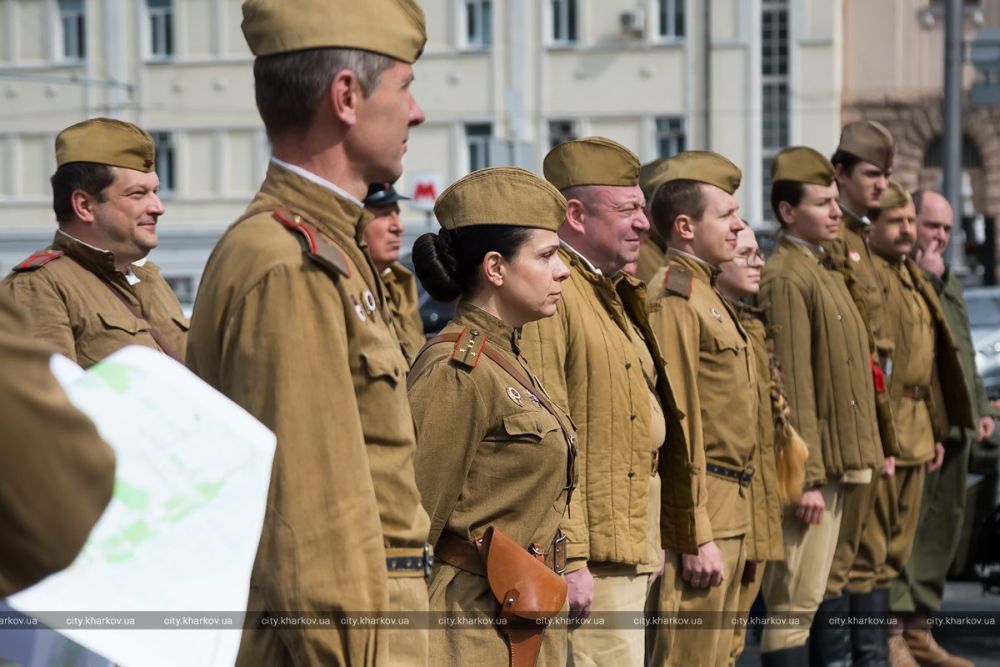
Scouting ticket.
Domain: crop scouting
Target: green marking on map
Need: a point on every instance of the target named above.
(132, 497)
(117, 376)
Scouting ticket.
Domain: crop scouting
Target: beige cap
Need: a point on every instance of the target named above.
(394, 28)
(591, 161)
(802, 164)
(869, 140)
(895, 196)
(501, 196)
(649, 177)
(106, 141)
(704, 167)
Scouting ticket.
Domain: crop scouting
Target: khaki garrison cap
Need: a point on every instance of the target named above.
(591, 161)
(649, 177)
(870, 141)
(802, 164)
(704, 167)
(895, 196)
(394, 28)
(106, 141)
(501, 196)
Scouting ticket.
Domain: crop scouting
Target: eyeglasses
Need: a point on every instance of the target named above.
(756, 259)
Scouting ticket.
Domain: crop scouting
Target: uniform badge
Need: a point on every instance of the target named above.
(358, 309)
(716, 314)
(514, 395)
(854, 255)
(534, 399)
(370, 300)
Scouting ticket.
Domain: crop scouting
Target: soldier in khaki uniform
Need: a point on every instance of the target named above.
(712, 369)
(508, 461)
(93, 291)
(919, 332)
(653, 248)
(863, 163)
(57, 473)
(598, 359)
(293, 323)
(739, 279)
(383, 235)
(920, 586)
(822, 344)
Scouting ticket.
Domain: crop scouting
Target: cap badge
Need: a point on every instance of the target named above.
(514, 395)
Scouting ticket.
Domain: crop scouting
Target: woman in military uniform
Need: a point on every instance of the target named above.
(492, 451)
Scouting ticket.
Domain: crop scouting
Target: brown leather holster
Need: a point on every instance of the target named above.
(527, 587)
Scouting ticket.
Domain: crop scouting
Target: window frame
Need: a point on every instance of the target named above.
(478, 136)
(166, 160)
(160, 20)
(676, 134)
(564, 13)
(665, 14)
(478, 30)
(78, 36)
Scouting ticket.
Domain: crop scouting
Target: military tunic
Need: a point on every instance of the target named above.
(295, 327)
(401, 288)
(502, 462)
(57, 473)
(73, 294)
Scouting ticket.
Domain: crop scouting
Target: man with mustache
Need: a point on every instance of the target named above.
(599, 361)
(293, 323)
(919, 332)
(384, 236)
(92, 291)
(708, 356)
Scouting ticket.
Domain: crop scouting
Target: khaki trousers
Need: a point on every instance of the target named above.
(887, 541)
(408, 647)
(796, 585)
(748, 593)
(859, 507)
(617, 587)
(708, 647)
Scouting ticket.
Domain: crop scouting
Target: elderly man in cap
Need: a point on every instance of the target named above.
(598, 359)
(294, 324)
(384, 236)
(92, 291)
(57, 473)
(919, 333)
(917, 591)
(822, 343)
(708, 356)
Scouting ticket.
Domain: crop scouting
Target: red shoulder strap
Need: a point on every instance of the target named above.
(38, 260)
(318, 248)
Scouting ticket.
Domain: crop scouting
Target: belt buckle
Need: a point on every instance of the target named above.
(559, 554)
(427, 559)
(917, 392)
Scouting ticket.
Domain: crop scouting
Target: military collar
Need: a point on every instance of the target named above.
(499, 334)
(396, 272)
(318, 180)
(94, 258)
(851, 216)
(583, 260)
(317, 203)
(699, 267)
(817, 252)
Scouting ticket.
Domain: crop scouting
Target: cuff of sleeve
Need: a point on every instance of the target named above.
(702, 526)
(574, 564)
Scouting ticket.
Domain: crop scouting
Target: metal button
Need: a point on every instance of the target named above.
(628, 364)
(840, 318)
(854, 403)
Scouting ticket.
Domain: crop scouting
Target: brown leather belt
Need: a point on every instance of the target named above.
(742, 476)
(917, 392)
(467, 556)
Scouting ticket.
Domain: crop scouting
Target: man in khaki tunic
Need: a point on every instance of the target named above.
(598, 359)
(863, 163)
(708, 357)
(823, 346)
(293, 324)
(384, 236)
(92, 291)
(919, 333)
(57, 473)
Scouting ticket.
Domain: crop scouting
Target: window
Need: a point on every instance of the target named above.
(670, 15)
(561, 131)
(73, 25)
(564, 18)
(670, 136)
(165, 160)
(775, 132)
(161, 28)
(478, 23)
(477, 138)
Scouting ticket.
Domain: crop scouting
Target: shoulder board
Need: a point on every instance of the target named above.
(468, 347)
(320, 250)
(679, 281)
(38, 260)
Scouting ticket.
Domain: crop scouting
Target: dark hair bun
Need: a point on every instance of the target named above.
(436, 266)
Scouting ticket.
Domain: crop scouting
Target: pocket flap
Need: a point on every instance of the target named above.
(535, 424)
(383, 364)
(123, 322)
(727, 344)
(182, 323)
